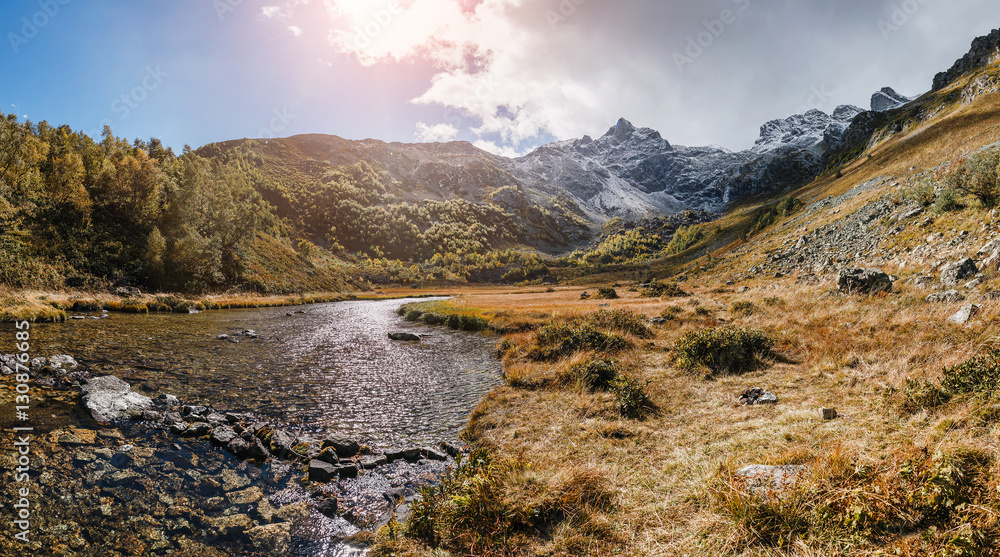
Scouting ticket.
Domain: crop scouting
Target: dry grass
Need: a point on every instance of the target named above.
(669, 470)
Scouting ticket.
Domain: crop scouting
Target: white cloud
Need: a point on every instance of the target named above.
(270, 11)
(297, 31)
(492, 147)
(435, 133)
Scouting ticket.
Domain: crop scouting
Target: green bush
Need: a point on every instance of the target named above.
(946, 202)
(921, 193)
(979, 176)
(671, 312)
(978, 374)
(623, 320)
(632, 400)
(684, 238)
(919, 394)
(595, 374)
(722, 349)
(744, 307)
(659, 289)
(606, 293)
(555, 341)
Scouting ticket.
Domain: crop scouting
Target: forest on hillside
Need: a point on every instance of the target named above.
(84, 213)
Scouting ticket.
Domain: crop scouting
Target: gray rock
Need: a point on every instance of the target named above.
(192, 410)
(320, 471)
(762, 479)
(964, 315)
(348, 470)
(828, 413)
(257, 451)
(949, 296)
(222, 435)
(371, 462)
(408, 337)
(431, 454)
(329, 455)
(282, 443)
(178, 428)
(109, 398)
(128, 292)
(238, 447)
(327, 507)
(953, 273)
(166, 400)
(757, 395)
(63, 361)
(271, 539)
(198, 429)
(122, 460)
(863, 281)
(171, 418)
(346, 448)
(223, 337)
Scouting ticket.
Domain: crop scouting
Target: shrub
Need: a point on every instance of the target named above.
(979, 176)
(722, 349)
(671, 312)
(632, 400)
(774, 301)
(744, 307)
(684, 238)
(659, 289)
(921, 193)
(595, 374)
(555, 341)
(622, 320)
(606, 293)
(702, 311)
(919, 394)
(978, 374)
(946, 202)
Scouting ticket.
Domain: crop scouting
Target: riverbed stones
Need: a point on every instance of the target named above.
(281, 443)
(109, 398)
(229, 525)
(245, 496)
(863, 281)
(329, 455)
(404, 337)
(272, 539)
(238, 447)
(432, 454)
(196, 411)
(372, 462)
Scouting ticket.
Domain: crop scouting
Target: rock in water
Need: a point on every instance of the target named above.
(320, 471)
(863, 281)
(409, 337)
(109, 398)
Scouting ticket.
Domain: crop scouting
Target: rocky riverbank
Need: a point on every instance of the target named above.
(153, 476)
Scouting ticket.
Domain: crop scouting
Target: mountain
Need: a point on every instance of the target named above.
(887, 99)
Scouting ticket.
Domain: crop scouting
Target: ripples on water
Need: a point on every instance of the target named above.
(330, 369)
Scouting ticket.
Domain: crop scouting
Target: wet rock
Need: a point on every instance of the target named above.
(171, 418)
(63, 362)
(320, 471)
(327, 506)
(230, 525)
(406, 337)
(762, 479)
(432, 454)
(190, 411)
(328, 455)
(166, 400)
(282, 443)
(949, 296)
(83, 458)
(953, 273)
(964, 315)
(450, 449)
(178, 428)
(121, 478)
(215, 419)
(198, 429)
(223, 337)
(109, 398)
(757, 395)
(69, 440)
(122, 460)
(232, 481)
(150, 416)
(245, 497)
(233, 418)
(238, 447)
(371, 462)
(863, 281)
(271, 539)
(257, 450)
(348, 470)
(346, 448)
(222, 435)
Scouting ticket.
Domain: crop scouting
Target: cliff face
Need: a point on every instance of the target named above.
(984, 51)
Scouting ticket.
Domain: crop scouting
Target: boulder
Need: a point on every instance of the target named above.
(198, 429)
(63, 361)
(346, 448)
(406, 337)
(222, 435)
(328, 455)
(109, 398)
(964, 315)
(953, 273)
(948, 296)
(282, 443)
(863, 281)
(432, 454)
(238, 447)
(171, 418)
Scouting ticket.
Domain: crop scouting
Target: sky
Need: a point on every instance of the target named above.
(506, 75)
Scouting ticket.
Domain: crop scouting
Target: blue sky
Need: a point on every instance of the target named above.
(506, 74)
